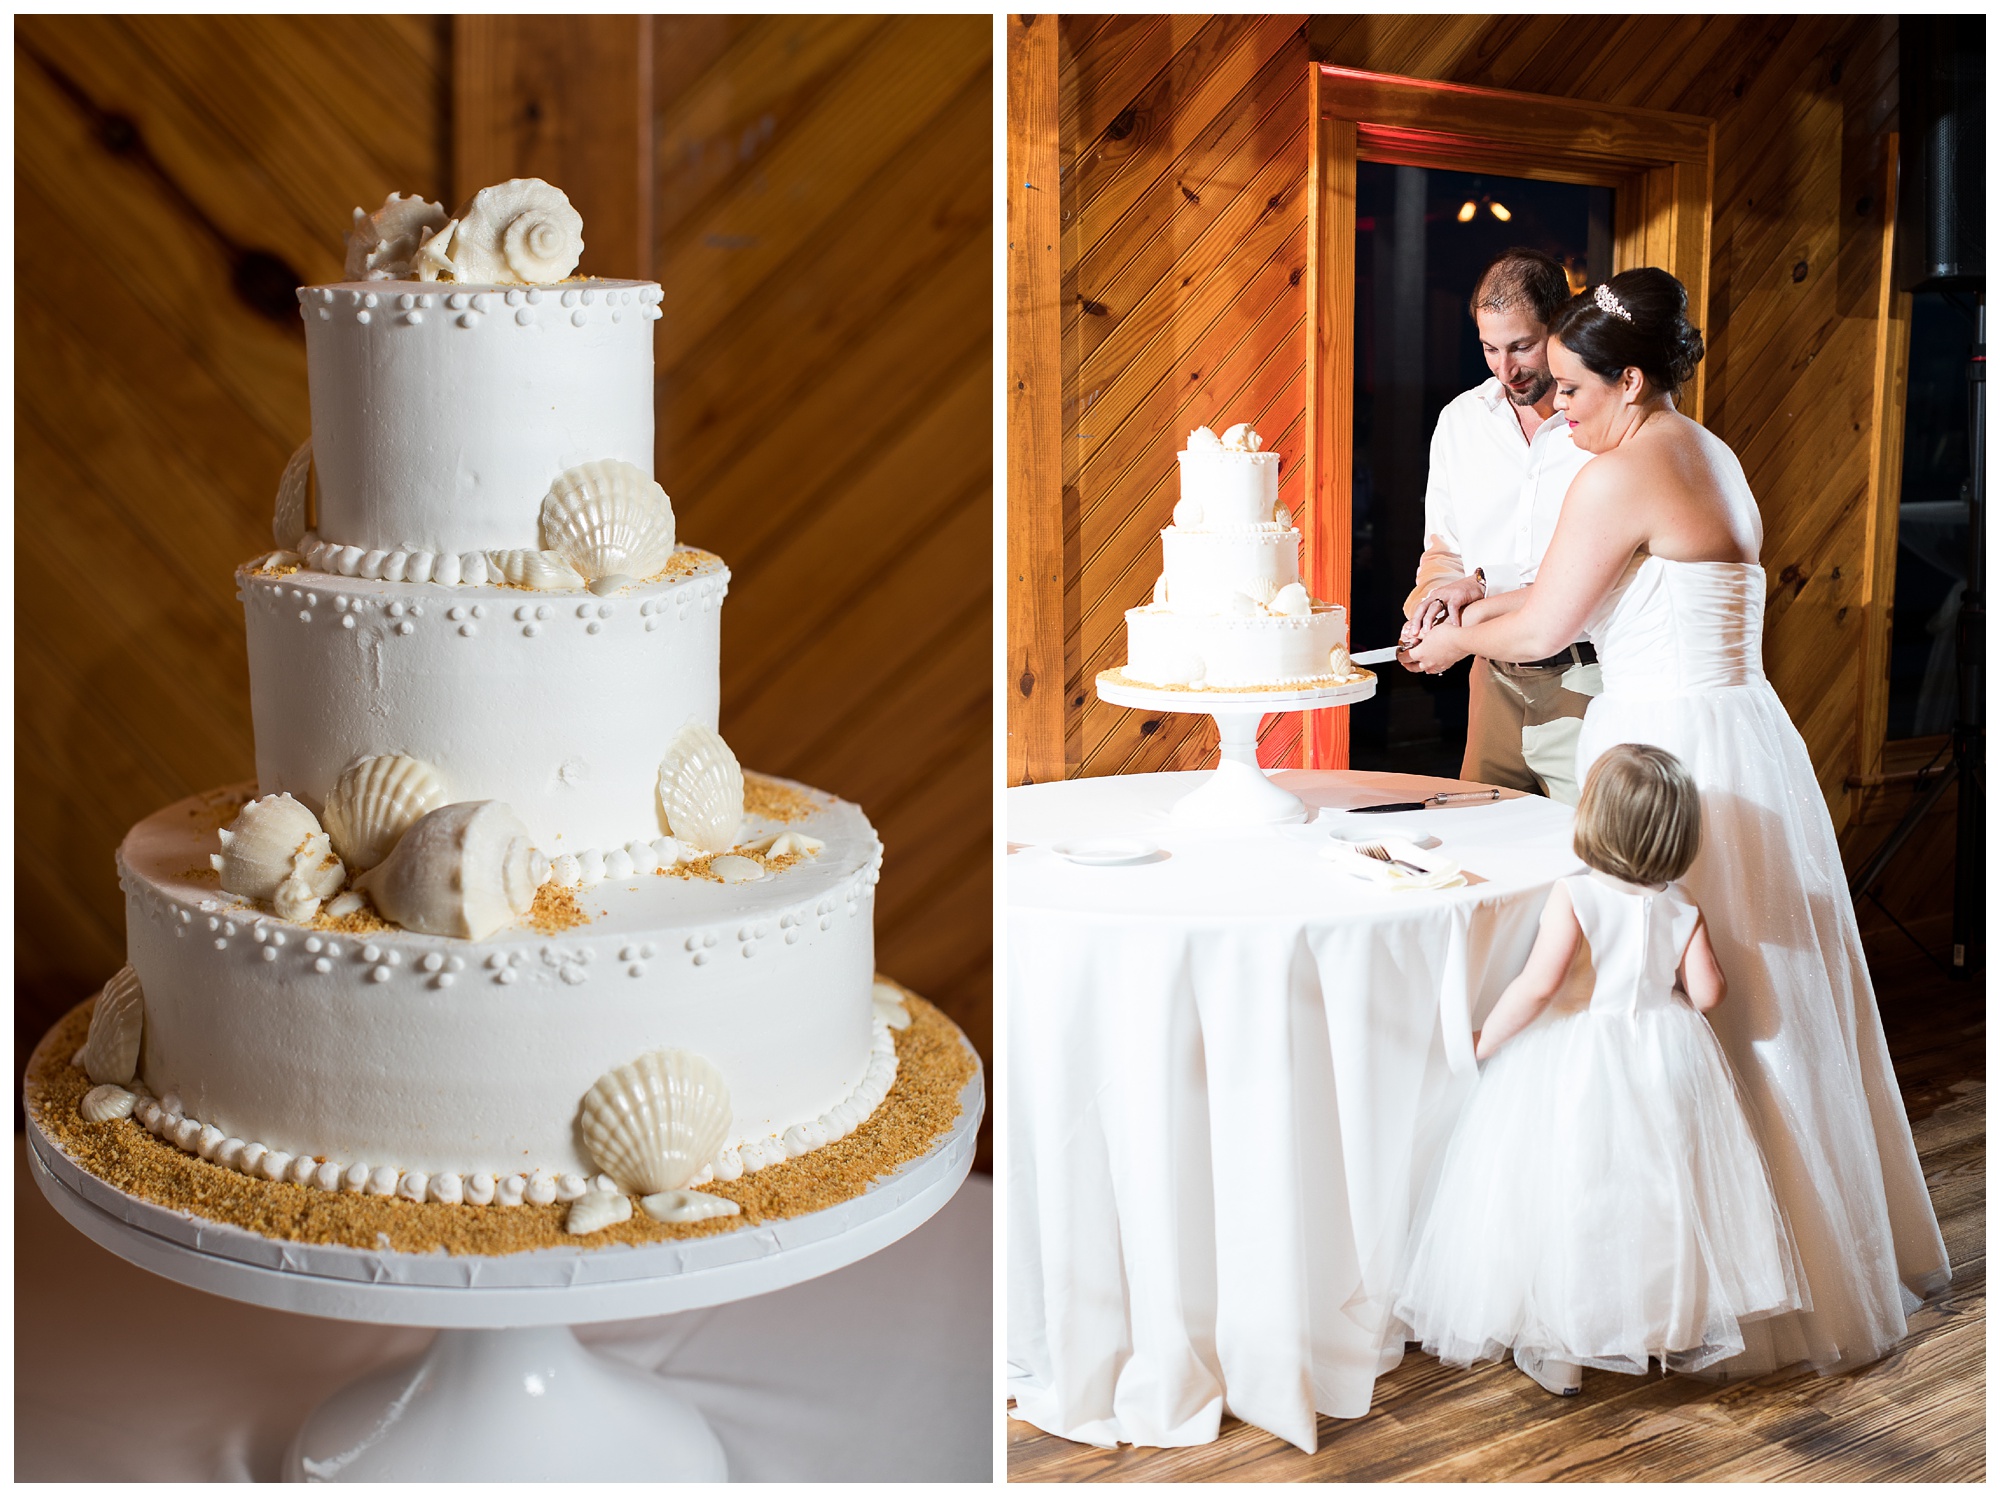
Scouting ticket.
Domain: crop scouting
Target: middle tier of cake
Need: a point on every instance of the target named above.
(560, 704)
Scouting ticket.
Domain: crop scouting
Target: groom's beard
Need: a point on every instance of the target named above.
(1532, 393)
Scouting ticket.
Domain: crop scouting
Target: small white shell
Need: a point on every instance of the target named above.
(522, 231)
(375, 801)
(651, 1125)
(1292, 601)
(596, 1210)
(1201, 439)
(788, 844)
(288, 520)
(607, 519)
(701, 790)
(272, 840)
(381, 244)
(103, 1103)
(1240, 438)
(1238, 606)
(432, 258)
(462, 870)
(1160, 591)
(276, 561)
(344, 904)
(734, 868)
(1187, 514)
(676, 1206)
(541, 571)
(890, 1006)
(111, 1053)
(1282, 517)
(1339, 662)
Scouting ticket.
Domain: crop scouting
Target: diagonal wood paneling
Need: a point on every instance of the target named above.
(824, 234)
(1177, 310)
(821, 220)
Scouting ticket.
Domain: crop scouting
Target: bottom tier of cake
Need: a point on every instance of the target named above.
(360, 1045)
(1165, 648)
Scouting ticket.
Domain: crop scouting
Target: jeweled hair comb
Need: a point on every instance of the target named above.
(1607, 299)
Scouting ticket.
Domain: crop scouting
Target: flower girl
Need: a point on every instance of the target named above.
(1602, 1200)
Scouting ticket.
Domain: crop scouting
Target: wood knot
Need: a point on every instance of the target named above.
(1027, 683)
(1798, 272)
(1092, 308)
(1123, 126)
(1188, 194)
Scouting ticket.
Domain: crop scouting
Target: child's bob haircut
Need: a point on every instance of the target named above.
(1639, 817)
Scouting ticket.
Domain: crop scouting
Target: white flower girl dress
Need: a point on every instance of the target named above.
(1602, 1200)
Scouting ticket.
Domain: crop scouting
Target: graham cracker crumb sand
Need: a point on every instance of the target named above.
(362, 922)
(555, 909)
(775, 802)
(932, 1068)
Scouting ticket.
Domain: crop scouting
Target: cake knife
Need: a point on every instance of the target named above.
(1375, 657)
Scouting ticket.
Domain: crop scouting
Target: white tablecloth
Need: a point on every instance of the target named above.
(882, 1371)
(1228, 1070)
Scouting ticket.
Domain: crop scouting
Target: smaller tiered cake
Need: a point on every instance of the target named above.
(1229, 612)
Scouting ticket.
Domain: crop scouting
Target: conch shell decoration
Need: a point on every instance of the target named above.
(382, 244)
(288, 518)
(463, 870)
(610, 522)
(275, 851)
(520, 232)
(111, 1053)
(651, 1125)
(375, 801)
(701, 790)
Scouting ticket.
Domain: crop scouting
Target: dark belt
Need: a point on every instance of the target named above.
(1580, 653)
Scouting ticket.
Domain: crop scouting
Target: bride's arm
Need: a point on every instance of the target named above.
(1492, 607)
(1595, 538)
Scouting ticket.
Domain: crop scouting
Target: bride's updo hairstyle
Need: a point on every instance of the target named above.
(1639, 817)
(1635, 320)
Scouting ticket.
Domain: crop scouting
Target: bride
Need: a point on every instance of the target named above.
(1656, 555)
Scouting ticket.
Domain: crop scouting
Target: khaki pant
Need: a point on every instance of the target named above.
(1522, 726)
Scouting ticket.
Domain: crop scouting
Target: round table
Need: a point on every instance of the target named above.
(1230, 1068)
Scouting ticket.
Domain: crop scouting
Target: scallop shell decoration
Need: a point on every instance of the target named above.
(651, 1125)
(1340, 663)
(610, 522)
(111, 1053)
(1188, 513)
(542, 571)
(595, 1210)
(462, 870)
(274, 843)
(1282, 517)
(1240, 438)
(679, 1206)
(377, 800)
(519, 232)
(1292, 601)
(382, 244)
(701, 790)
(288, 519)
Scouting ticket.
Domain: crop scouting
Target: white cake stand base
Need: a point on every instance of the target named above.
(506, 1392)
(1239, 793)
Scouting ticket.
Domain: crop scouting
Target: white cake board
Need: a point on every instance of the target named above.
(506, 1392)
(1239, 793)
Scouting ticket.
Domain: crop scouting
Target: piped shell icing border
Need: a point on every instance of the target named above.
(165, 1118)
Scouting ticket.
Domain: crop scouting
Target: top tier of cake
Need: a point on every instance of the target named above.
(1232, 548)
(442, 413)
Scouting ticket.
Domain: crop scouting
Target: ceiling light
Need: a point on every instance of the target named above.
(1500, 211)
(1465, 214)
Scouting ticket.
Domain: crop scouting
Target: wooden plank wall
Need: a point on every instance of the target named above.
(1184, 163)
(822, 223)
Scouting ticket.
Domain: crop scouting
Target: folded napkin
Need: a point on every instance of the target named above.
(1439, 872)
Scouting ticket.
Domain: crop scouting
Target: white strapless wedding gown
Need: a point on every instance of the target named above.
(1681, 648)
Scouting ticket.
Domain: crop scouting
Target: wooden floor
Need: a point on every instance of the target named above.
(1917, 1415)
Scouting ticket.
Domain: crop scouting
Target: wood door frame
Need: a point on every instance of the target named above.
(1662, 167)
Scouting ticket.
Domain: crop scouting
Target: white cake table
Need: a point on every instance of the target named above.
(1228, 1069)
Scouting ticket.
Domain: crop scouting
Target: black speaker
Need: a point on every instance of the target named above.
(1941, 199)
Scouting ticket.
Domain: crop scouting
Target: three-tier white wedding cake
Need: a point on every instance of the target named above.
(1229, 612)
(503, 919)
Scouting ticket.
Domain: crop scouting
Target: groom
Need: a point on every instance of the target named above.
(1501, 460)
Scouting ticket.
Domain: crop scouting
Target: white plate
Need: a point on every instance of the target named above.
(1345, 828)
(1106, 852)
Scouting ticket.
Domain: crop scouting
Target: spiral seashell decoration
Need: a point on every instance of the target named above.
(111, 1053)
(103, 1104)
(518, 232)
(375, 801)
(652, 1124)
(610, 522)
(463, 870)
(275, 851)
(701, 790)
(288, 518)
(543, 571)
(677, 1206)
(381, 245)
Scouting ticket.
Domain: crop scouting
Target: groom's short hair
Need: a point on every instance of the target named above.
(1521, 279)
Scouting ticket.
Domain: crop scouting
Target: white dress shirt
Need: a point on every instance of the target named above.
(1493, 495)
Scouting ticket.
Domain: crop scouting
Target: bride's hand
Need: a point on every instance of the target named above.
(1439, 650)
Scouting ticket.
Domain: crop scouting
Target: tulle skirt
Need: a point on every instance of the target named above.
(1601, 1202)
(1799, 1027)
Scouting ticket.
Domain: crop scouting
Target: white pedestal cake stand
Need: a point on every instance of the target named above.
(1239, 793)
(506, 1392)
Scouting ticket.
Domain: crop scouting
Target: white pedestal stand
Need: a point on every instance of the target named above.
(1239, 793)
(506, 1392)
